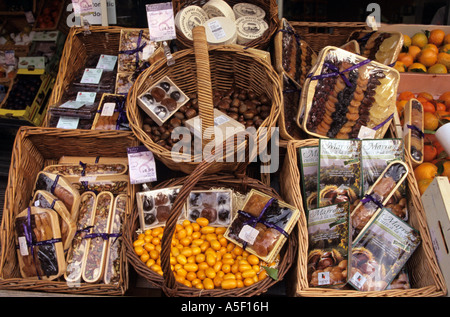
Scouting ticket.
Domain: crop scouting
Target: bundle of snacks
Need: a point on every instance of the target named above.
(40, 252)
(214, 205)
(45, 199)
(413, 130)
(379, 46)
(291, 99)
(381, 251)
(347, 93)
(111, 114)
(293, 55)
(154, 206)
(262, 226)
(329, 245)
(378, 195)
(87, 169)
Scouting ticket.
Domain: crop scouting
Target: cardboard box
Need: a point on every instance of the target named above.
(436, 203)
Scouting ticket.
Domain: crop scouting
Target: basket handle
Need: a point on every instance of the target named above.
(204, 86)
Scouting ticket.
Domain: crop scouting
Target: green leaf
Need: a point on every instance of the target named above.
(442, 155)
(417, 70)
(427, 33)
(272, 272)
(429, 131)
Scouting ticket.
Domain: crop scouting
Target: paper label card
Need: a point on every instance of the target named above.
(68, 122)
(107, 62)
(72, 104)
(161, 22)
(92, 76)
(87, 97)
(108, 109)
(142, 167)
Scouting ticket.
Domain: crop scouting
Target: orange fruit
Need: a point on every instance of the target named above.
(423, 184)
(429, 152)
(437, 69)
(406, 58)
(406, 40)
(428, 107)
(436, 37)
(401, 105)
(427, 57)
(444, 59)
(446, 171)
(445, 48)
(445, 98)
(406, 95)
(432, 47)
(447, 39)
(425, 170)
(425, 95)
(417, 68)
(414, 50)
(441, 110)
(400, 67)
(419, 39)
(430, 121)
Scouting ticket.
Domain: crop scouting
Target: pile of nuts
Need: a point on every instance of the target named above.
(248, 108)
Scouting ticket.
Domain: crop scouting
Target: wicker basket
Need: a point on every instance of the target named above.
(201, 70)
(270, 7)
(321, 34)
(199, 180)
(425, 275)
(35, 148)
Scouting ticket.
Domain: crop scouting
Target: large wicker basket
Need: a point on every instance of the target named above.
(321, 34)
(34, 148)
(201, 70)
(270, 7)
(425, 275)
(199, 180)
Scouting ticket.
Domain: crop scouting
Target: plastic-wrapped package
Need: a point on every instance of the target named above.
(40, 252)
(378, 195)
(263, 225)
(60, 187)
(379, 46)
(97, 245)
(76, 254)
(413, 131)
(309, 169)
(116, 184)
(154, 206)
(68, 227)
(328, 245)
(214, 205)
(346, 92)
(112, 263)
(293, 55)
(135, 49)
(111, 113)
(87, 169)
(381, 251)
(339, 171)
(74, 103)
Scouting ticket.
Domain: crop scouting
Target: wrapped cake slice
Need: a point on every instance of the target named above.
(413, 131)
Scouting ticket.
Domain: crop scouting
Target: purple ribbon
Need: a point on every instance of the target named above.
(290, 31)
(413, 127)
(254, 220)
(83, 171)
(138, 49)
(384, 122)
(368, 198)
(52, 189)
(336, 71)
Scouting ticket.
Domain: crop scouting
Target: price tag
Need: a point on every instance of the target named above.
(366, 133)
(248, 234)
(81, 6)
(87, 97)
(68, 122)
(72, 104)
(217, 30)
(108, 109)
(323, 278)
(23, 246)
(358, 280)
(29, 17)
(107, 62)
(10, 59)
(91, 76)
(161, 22)
(142, 167)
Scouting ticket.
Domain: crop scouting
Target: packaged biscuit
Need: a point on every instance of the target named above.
(309, 170)
(381, 251)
